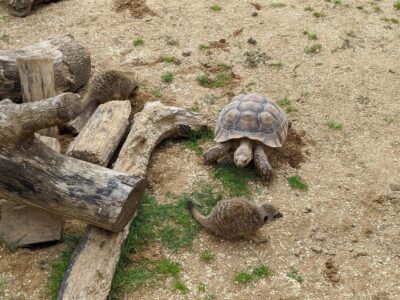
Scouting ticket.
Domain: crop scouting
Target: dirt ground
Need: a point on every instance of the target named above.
(343, 234)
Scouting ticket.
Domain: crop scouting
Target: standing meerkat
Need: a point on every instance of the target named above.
(111, 84)
(236, 218)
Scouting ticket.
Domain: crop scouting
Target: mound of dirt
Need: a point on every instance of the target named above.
(138, 8)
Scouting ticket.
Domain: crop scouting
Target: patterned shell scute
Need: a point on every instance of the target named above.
(255, 117)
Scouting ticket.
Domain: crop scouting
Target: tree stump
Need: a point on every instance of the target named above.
(71, 62)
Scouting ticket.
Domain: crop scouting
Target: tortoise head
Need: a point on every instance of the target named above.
(244, 153)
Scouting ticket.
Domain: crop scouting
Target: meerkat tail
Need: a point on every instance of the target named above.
(196, 214)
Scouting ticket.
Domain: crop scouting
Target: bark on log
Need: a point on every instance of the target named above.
(91, 270)
(75, 126)
(33, 174)
(37, 83)
(21, 225)
(102, 134)
(72, 65)
(22, 8)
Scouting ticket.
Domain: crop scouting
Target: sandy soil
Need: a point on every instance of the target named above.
(342, 235)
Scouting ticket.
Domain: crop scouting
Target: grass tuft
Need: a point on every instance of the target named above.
(287, 105)
(216, 7)
(180, 286)
(169, 59)
(168, 77)
(295, 182)
(334, 125)
(313, 49)
(194, 137)
(277, 5)
(60, 265)
(138, 42)
(207, 256)
(235, 179)
(216, 82)
(245, 277)
(310, 35)
(295, 276)
(396, 5)
(390, 20)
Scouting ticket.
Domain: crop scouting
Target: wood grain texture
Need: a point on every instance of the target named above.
(102, 134)
(90, 273)
(72, 65)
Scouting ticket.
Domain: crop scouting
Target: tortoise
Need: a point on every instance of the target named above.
(255, 121)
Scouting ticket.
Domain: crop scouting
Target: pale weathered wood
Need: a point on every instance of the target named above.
(51, 142)
(76, 125)
(22, 8)
(37, 82)
(102, 134)
(21, 225)
(33, 174)
(71, 61)
(93, 264)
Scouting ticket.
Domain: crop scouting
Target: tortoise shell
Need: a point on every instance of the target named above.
(255, 117)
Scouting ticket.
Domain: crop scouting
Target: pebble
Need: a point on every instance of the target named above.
(307, 210)
(187, 53)
(254, 14)
(251, 41)
(361, 253)
(317, 250)
(320, 237)
(395, 187)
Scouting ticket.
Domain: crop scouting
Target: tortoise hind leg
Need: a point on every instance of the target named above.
(261, 162)
(216, 152)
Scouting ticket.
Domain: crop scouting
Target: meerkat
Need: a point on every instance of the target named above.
(111, 84)
(236, 218)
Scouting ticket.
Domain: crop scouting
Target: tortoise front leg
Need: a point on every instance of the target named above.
(261, 162)
(216, 152)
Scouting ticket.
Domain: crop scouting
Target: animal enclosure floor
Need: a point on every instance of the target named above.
(337, 65)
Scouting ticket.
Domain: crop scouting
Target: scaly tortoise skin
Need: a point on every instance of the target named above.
(255, 121)
(254, 117)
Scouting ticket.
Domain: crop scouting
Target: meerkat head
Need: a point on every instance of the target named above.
(268, 212)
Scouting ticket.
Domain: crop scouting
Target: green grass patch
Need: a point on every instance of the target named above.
(207, 256)
(277, 5)
(60, 265)
(168, 77)
(310, 35)
(308, 8)
(296, 183)
(217, 81)
(318, 14)
(169, 59)
(246, 277)
(286, 104)
(216, 7)
(194, 137)
(235, 179)
(313, 49)
(203, 47)
(396, 5)
(390, 20)
(180, 286)
(169, 224)
(157, 92)
(138, 42)
(334, 125)
(295, 276)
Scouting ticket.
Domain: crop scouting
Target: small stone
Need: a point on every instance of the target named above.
(186, 53)
(251, 41)
(307, 210)
(254, 14)
(320, 237)
(317, 250)
(361, 253)
(297, 252)
(395, 187)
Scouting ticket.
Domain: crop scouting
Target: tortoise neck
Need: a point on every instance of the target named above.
(246, 144)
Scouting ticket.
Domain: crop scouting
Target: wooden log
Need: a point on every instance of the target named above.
(21, 225)
(75, 126)
(71, 62)
(22, 8)
(37, 83)
(93, 264)
(102, 134)
(33, 174)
